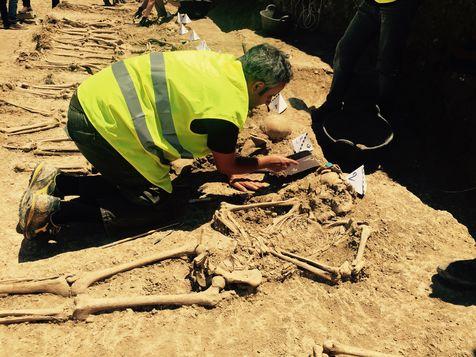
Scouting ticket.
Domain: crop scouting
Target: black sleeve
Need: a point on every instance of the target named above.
(222, 135)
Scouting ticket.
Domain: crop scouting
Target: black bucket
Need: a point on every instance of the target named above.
(274, 22)
(352, 138)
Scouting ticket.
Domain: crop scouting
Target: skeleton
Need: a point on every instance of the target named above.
(77, 284)
(329, 274)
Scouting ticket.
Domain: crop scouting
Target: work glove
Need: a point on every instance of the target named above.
(138, 13)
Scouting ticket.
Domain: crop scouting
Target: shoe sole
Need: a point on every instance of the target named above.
(27, 194)
(27, 234)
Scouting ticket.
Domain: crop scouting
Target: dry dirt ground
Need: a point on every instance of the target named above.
(396, 306)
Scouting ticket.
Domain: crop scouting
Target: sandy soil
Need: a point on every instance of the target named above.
(396, 306)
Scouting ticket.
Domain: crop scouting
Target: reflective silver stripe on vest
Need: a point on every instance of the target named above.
(162, 103)
(138, 118)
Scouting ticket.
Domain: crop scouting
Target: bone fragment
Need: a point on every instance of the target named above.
(316, 271)
(333, 348)
(357, 264)
(83, 281)
(317, 351)
(24, 107)
(58, 286)
(210, 297)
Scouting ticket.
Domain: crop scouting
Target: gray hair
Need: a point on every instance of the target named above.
(267, 64)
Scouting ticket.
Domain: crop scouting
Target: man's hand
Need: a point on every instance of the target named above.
(275, 163)
(244, 183)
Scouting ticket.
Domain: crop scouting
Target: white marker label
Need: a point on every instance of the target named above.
(357, 180)
(302, 143)
(278, 104)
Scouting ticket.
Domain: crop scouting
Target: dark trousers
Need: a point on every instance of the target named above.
(112, 166)
(391, 24)
(4, 13)
(120, 196)
(12, 11)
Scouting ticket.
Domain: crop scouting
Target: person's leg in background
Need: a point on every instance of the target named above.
(4, 14)
(396, 19)
(12, 14)
(160, 8)
(26, 6)
(363, 27)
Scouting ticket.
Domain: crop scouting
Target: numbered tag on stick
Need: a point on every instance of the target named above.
(357, 180)
(278, 104)
(302, 143)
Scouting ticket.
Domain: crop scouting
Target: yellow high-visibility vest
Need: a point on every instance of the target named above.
(143, 106)
(384, 1)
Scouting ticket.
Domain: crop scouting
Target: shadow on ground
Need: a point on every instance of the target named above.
(134, 221)
(451, 294)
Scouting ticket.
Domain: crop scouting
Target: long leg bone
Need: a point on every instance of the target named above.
(33, 315)
(210, 297)
(358, 262)
(340, 272)
(334, 348)
(57, 285)
(83, 281)
(316, 271)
